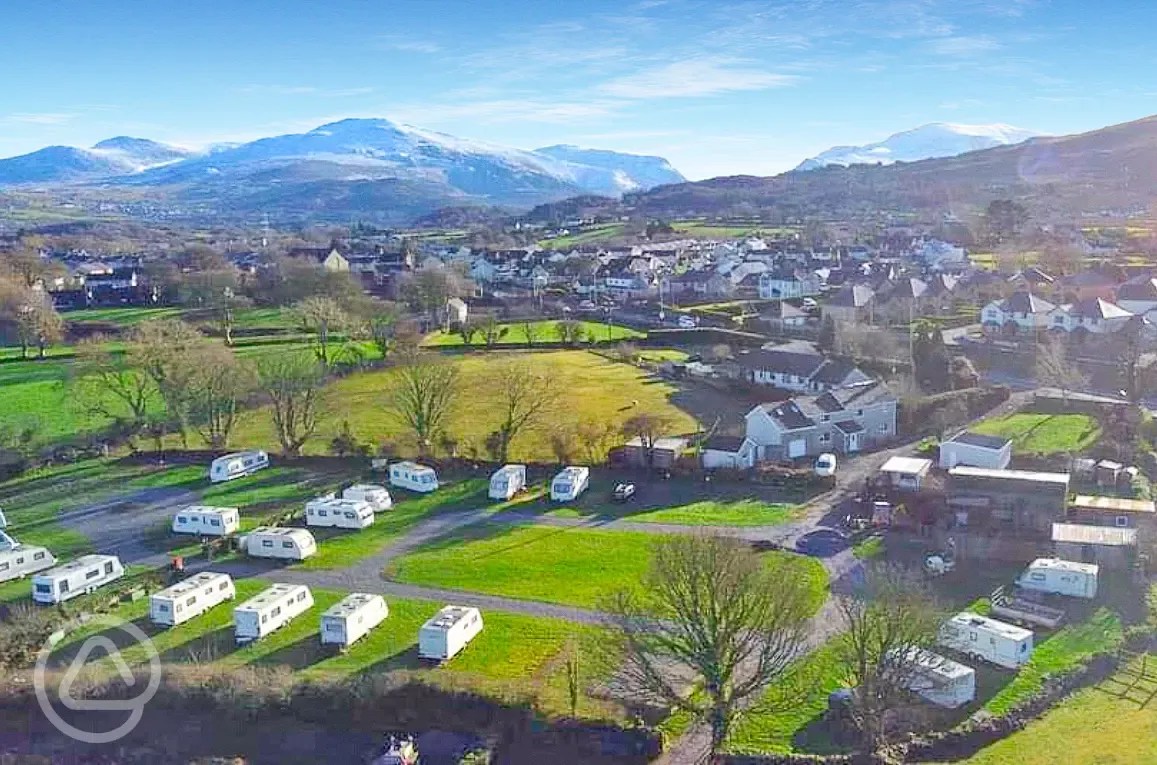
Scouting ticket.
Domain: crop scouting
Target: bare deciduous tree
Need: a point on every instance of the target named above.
(294, 383)
(169, 350)
(648, 428)
(217, 391)
(109, 385)
(712, 627)
(530, 329)
(422, 396)
(522, 396)
(889, 618)
(570, 332)
(321, 316)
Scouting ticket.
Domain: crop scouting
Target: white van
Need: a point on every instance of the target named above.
(281, 543)
(979, 637)
(412, 476)
(351, 618)
(18, 560)
(339, 513)
(507, 481)
(269, 610)
(377, 496)
(1060, 577)
(569, 483)
(448, 631)
(237, 465)
(192, 597)
(207, 521)
(78, 577)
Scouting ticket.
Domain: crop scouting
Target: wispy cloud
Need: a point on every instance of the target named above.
(407, 44)
(962, 45)
(695, 77)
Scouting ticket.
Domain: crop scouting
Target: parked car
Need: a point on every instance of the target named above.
(586, 305)
(826, 465)
(624, 491)
(809, 304)
(687, 322)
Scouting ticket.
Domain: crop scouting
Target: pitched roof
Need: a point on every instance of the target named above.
(909, 288)
(980, 440)
(853, 296)
(783, 310)
(724, 443)
(788, 414)
(1025, 302)
(793, 359)
(1138, 289)
(1032, 276)
(849, 427)
(1098, 308)
(840, 372)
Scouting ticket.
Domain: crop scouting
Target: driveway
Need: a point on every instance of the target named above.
(119, 526)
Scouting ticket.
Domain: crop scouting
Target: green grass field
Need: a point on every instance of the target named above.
(1114, 723)
(595, 389)
(547, 332)
(1043, 433)
(744, 512)
(571, 566)
(593, 234)
(120, 317)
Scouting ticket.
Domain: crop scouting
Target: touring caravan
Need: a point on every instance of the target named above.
(269, 610)
(979, 637)
(569, 483)
(237, 465)
(207, 521)
(938, 679)
(448, 631)
(1061, 577)
(3, 520)
(78, 577)
(18, 561)
(283, 543)
(507, 481)
(377, 496)
(340, 513)
(192, 597)
(351, 618)
(412, 476)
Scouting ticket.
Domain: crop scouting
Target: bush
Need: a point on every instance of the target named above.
(918, 415)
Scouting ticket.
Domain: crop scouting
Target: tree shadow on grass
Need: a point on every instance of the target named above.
(304, 653)
(203, 649)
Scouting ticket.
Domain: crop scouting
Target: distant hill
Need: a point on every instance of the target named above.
(939, 139)
(108, 159)
(1114, 168)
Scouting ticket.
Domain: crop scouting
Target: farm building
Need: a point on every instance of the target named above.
(448, 631)
(1007, 499)
(237, 465)
(906, 473)
(664, 452)
(569, 483)
(75, 578)
(1005, 645)
(282, 543)
(507, 481)
(192, 597)
(270, 610)
(207, 521)
(412, 476)
(1107, 546)
(352, 618)
(1122, 513)
(729, 453)
(976, 450)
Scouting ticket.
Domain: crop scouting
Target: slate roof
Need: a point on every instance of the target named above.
(788, 414)
(1098, 308)
(849, 427)
(853, 296)
(840, 372)
(1025, 302)
(783, 310)
(1138, 289)
(980, 440)
(724, 443)
(792, 360)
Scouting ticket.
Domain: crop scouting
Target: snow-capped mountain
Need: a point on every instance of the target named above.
(938, 139)
(107, 159)
(635, 171)
(140, 153)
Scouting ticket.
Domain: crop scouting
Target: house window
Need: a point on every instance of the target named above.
(1121, 521)
(827, 418)
(1058, 320)
(825, 438)
(859, 412)
(884, 428)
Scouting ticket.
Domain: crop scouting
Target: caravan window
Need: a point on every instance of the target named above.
(264, 618)
(93, 574)
(182, 519)
(38, 556)
(223, 586)
(350, 515)
(19, 561)
(44, 589)
(275, 612)
(214, 522)
(1037, 576)
(3, 566)
(287, 545)
(63, 586)
(301, 596)
(191, 601)
(108, 567)
(267, 543)
(163, 608)
(322, 513)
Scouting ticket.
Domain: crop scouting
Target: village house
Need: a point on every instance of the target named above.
(1138, 295)
(1095, 315)
(852, 304)
(328, 258)
(1089, 285)
(788, 284)
(782, 315)
(797, 366)
(1022, 310)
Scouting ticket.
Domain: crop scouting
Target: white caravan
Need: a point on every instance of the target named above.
(979, 637)
(269, 610)
(377, 496)
(412, 476)
(339, 513)
(1062, 577)
(507, 481)
(569, 483)
(352, 618)
(18, 561)
(237, 465)
(78, 577)
(207, 521)
(192, 597)
(448, 631)
(3, 520)
(938, 679)
(283, 543)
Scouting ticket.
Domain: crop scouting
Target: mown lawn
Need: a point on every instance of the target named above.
(1043, 433)
(745, 512)
(1114, 723)
(592, 234)
(571, 566)
(544, 332)
(595, 389)
(515, 656)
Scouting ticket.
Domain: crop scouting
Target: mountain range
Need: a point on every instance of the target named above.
(345, 168)
(938, 139)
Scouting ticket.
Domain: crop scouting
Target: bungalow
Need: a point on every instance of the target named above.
(845, 420)
(1022, 310)
(938, 255)
(1094, 315)
(852, 304)
(797, 366)
(1032, 279)
(785, 284)
(1090, 285)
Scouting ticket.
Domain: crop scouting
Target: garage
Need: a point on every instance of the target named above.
(797, 447)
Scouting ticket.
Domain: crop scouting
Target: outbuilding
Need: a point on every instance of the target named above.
(1119, 512)
(412, 476)
(980, 637)
(906, 473)
(207, 521)
(728, 453)
(507, 481)
(192, 597)
(270, 610)
(446, 633)
(1106, 546)
(977, 450)
(352, 618)
(664, 452)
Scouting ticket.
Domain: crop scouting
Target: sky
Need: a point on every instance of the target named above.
(718, 88)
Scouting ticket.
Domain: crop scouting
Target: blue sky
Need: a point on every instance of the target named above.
(716, 87)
